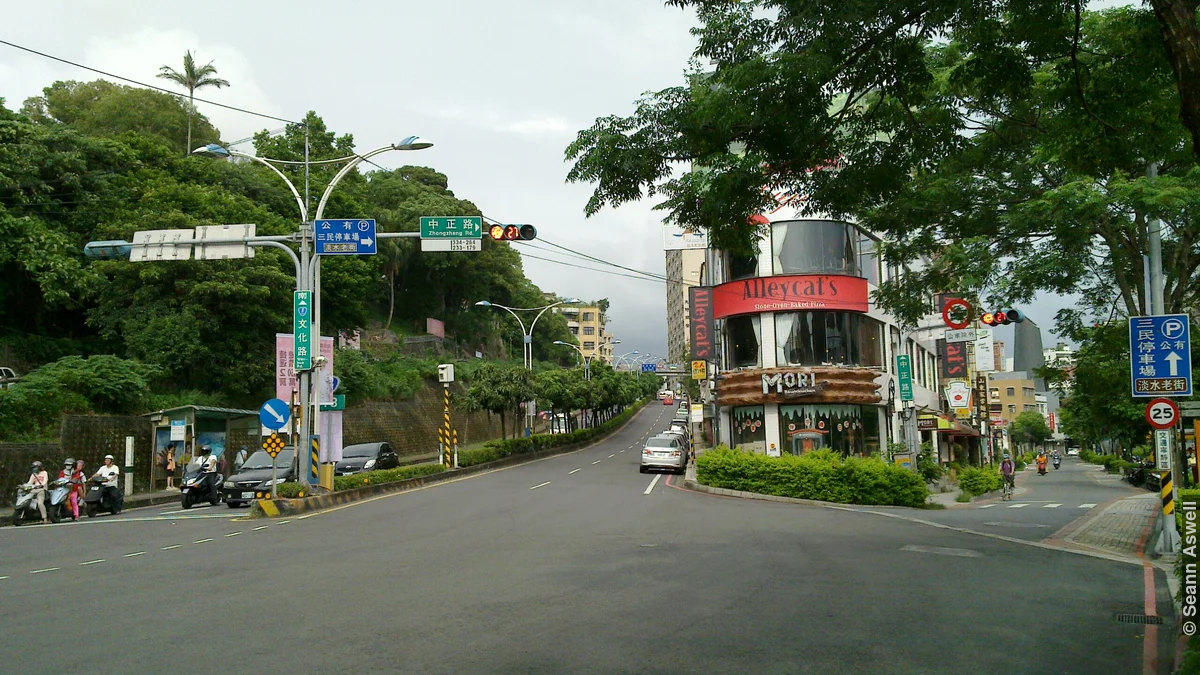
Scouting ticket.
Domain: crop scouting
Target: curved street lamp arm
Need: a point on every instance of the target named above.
(358, 159)
(295, 193)
(539, 315)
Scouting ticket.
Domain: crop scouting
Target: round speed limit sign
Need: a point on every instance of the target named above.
(1162, 413)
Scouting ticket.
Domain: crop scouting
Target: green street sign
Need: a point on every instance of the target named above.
(451, 227)
(302, 330)
(339, 403)
(904, 372)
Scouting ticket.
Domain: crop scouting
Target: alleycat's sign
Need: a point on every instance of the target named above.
(791, 383)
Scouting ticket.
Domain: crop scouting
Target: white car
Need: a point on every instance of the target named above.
(665, 451)
(1073, 452)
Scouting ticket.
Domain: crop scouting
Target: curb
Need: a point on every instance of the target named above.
(130, 504)
(274, 508)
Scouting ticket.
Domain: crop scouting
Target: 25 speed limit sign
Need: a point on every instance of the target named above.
(1162, 413)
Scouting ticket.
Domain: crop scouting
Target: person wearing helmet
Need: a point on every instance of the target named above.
(38, 480)
(206, 461)
(68, 472)
(1008, 471)
(109, 472)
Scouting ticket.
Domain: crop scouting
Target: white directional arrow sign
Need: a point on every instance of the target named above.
(367, 241)
(1173, 360)
(274, 414)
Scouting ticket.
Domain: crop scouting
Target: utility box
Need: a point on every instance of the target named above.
(446, 372)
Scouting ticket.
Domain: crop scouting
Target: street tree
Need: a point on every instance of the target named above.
(1030, 428)
(192, 77)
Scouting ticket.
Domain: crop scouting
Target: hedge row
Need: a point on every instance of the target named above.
(820, 475)
(293, 490)
(1112, 463)
(499, 449)
(979, 480)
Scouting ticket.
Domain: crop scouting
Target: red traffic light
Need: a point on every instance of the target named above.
(1003, 317)
(512, 232)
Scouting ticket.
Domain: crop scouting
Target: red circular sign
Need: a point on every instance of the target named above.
(950, 306)
(1162, 413)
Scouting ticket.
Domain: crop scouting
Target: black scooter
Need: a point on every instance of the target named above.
(1057, 462)
(200, 485)
(100, 498)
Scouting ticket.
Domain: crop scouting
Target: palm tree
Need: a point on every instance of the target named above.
(192, 78)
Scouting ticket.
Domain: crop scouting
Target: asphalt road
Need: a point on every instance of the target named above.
(572, 564)
(1042, 505)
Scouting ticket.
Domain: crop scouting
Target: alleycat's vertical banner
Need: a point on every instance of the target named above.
(700, 305)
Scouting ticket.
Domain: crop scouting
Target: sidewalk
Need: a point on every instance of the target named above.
(1122, 527)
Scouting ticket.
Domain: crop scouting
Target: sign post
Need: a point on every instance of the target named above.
(302, 331)
(699, 370)
(451, 233)
(346, 236)
(904, 374)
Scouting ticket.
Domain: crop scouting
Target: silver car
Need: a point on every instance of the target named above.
(664, 451)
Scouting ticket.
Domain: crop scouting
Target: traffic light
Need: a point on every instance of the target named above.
(512, 232)
(1003, 317)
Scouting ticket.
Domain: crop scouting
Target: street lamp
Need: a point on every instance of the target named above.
(587, 360)
(619, 359)
(527, 351)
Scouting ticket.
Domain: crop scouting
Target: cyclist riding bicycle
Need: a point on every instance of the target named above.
(1008, 473)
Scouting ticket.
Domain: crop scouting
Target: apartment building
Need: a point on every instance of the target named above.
(587, 323)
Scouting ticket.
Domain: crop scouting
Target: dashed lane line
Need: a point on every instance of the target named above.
(134, 555)
(653, 483)
(612, 455)
(573, 471)
(3, 578)
(261, 527)
(987, 506)
(233, 534)
(48, 569)
(283, 522)
(540, 485)
(202, 541)
(1087, 506)
(168, 548)
(597, 461)
(92, 562)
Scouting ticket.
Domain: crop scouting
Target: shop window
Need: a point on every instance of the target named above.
(814, 247)
(743, 337)
(845, 429)
(838, 338)
(748, 432)
(742, 267)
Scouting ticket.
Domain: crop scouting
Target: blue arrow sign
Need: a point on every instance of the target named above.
(274, 414)
(346, 236)
(1160, 350)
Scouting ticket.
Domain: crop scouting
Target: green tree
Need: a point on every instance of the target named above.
(192, 77)
(500, 389)
(1030, 428)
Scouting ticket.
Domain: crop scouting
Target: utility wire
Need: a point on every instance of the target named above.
(148, 86)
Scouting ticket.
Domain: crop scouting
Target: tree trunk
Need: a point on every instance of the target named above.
(191, 113)
(502, 430)
(391, 299)
(1181, 38)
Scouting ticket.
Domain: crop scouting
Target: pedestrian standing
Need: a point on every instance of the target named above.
(240, 459)
(171, 467)
(78, 478)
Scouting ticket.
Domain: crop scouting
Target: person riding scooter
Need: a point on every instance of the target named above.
(1041, 464)
(1057, 460)
(201, 480)
(102, 491)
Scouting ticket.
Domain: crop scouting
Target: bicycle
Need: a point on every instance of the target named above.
(1006, 491)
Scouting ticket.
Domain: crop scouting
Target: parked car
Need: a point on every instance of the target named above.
(1073, 452)
(665, 451)
(681, 427)
(254, 477)
(366, 457)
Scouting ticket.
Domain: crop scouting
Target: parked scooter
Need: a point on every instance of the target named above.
(1137, 474)
(100, 498)
(59, 507)
(200, 485)
(24, 508)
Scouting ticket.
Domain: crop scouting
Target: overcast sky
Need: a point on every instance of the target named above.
(501, 89)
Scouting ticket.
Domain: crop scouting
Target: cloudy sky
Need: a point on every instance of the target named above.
(501, 88)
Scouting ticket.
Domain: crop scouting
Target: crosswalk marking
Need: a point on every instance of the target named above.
(1018, 506)
(1051, 506)
(1087, 506)
(987, 506)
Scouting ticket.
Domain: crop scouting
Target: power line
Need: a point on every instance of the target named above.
(148, 86)
(603, 271)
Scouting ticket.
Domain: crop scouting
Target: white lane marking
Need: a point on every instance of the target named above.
(283, 522)
(134, 555)
(597, 461)
(1087, 506)
(168, 548)
(1018, 506)
(573, 471)
(987, 506)
(942, 550)
(92, 562)
(261, 527)
(540, 485)
(173, 513)
(233, 534)
(612, 455)
(3, 578)
(201, 541)
(653, 483)
(48, 569)
(1051, 506)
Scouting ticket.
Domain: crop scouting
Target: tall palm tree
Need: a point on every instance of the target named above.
(192, 78)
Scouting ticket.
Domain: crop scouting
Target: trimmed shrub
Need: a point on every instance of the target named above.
(979, 481)
(822, 476)
(499, 449)
(385, 476)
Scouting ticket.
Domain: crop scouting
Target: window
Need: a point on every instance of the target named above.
(846, 429)
(1031, 407)
(589, 345)
(589, 316)
(1012, 409)
(1012, 391)
(589, 330)
(814, 247)
(816, 338)
(996, 408)
(748, 432)
(574, 330)
(742, 338)
(1027, 392)
(742, 267)
(994, 392)
(868, 261)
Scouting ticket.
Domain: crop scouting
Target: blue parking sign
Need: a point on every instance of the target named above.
(1160, 351)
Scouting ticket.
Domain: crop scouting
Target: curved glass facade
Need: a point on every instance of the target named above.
(814, 247)
(743, 341)
(828, 338)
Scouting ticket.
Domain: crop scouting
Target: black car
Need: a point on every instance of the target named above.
(366, 457)
(254, 478)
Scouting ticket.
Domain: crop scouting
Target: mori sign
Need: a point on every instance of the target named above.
(1162, 413)
(791, 383)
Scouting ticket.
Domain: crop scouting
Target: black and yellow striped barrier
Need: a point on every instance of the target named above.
(1168, 494)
